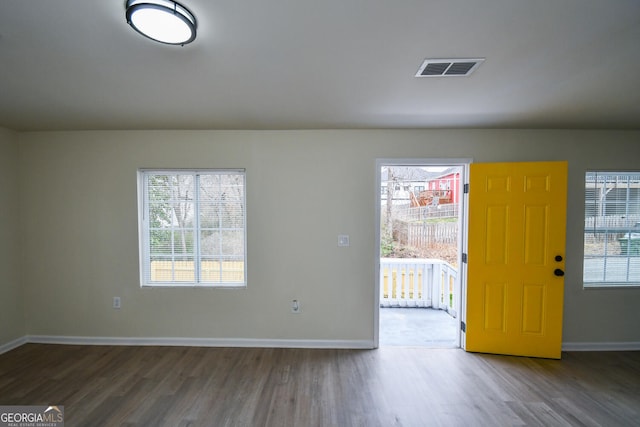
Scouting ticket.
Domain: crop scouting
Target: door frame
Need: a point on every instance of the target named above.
(463, 163)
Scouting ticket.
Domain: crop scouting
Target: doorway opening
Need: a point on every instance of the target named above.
(420, 213)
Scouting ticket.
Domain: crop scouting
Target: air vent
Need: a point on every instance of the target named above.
(448, 67)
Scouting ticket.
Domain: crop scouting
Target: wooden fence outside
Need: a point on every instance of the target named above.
(611, 221)
(427, 212)
(210, 271)
(608, 228)
(422, 235)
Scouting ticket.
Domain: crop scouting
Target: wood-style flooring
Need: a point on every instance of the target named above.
(391, 386)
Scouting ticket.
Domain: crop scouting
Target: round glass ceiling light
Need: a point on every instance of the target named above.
(164, 21)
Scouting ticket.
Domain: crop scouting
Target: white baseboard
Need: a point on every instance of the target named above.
(266, 343)
(13, 344)
(200, 342)
(601, 346)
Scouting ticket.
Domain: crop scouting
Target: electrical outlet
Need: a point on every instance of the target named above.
(295, 306)
(116, 302)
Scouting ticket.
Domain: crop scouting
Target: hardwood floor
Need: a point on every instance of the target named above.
(192, 386)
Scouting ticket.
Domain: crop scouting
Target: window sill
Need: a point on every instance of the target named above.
(601, 286)
(192, 286)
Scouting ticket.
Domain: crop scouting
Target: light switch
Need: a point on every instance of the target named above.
(343, 240)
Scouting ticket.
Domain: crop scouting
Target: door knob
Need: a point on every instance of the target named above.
(558, 272)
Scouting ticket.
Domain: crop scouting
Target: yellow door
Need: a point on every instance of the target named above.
(515, 284)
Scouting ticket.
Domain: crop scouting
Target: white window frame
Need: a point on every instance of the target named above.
(145, 239)
(620, 268)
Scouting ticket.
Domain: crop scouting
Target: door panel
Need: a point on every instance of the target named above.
(517, 218)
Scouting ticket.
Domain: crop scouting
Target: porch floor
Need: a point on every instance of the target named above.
(417, 327)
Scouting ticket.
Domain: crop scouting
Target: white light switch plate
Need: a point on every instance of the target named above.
(343, 240)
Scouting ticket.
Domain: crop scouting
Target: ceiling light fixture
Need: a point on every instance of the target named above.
(164, 21)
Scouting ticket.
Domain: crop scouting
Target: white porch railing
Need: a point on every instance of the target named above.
(418, 282)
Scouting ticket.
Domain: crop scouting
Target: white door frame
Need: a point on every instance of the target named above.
(460, 287)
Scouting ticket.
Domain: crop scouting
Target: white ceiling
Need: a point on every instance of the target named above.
(302, 64)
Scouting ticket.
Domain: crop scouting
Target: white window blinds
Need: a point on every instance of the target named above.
(612, 229)
(193, 228)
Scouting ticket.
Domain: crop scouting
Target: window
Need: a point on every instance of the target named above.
(192, 225)
(612, 229)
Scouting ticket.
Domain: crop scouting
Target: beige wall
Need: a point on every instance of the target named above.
(12, 324)
(80, 242)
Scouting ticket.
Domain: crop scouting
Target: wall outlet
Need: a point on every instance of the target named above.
(116, 302)
(295, 306)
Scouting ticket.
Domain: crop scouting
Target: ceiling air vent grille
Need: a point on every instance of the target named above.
(448, 67)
